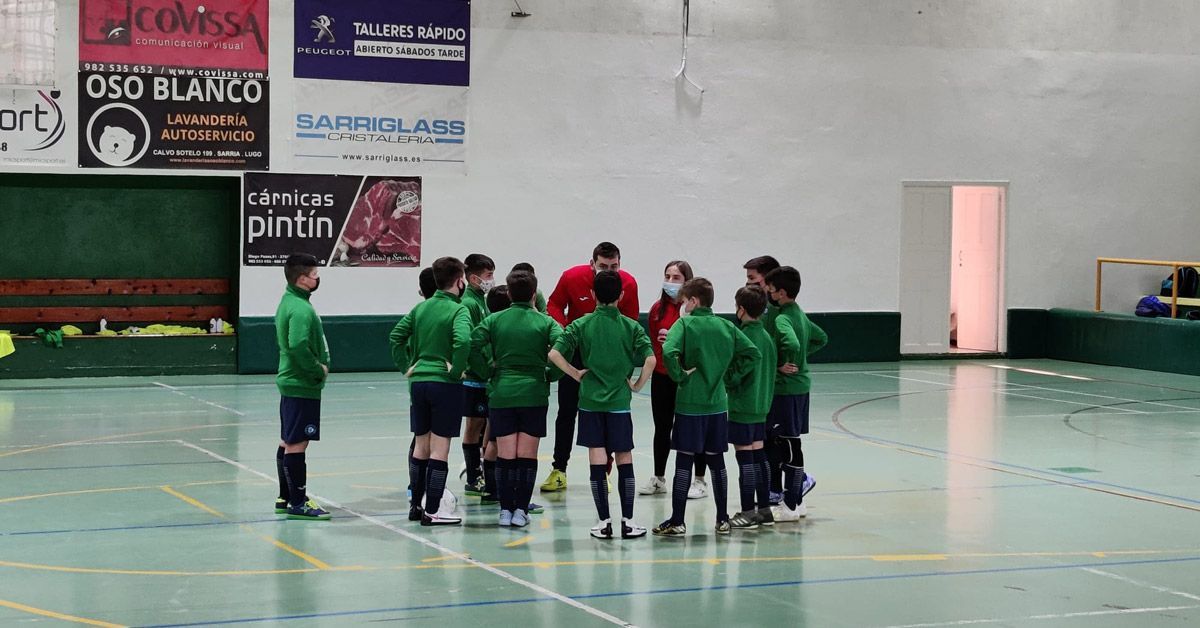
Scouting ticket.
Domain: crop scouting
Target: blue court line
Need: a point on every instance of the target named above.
(724, 587)
(949, 488)
(1132, 489)
(277, 518)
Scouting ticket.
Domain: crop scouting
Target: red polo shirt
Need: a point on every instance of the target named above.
(572, 297)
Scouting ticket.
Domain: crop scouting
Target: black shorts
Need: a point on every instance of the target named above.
(788, 417)
(299, 419)
(745, 434)
(509, 421)
(701, 433)
(611, 430)
(436, 408)
(475, 401)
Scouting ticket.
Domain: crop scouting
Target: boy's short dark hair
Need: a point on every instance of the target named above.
(700, 288)
(298, 265)
(607, 287)
(498, 299)
(428, 285)
(752, 299)
(522, 286)
(784, 278)
(606, 249)
(446, 271)
(762, 264)
(477, 263)
(525, 266)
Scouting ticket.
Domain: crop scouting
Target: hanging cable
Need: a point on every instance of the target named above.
(683, 61)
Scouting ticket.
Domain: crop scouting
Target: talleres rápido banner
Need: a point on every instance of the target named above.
(381, 86)
(154, 121)
(343, 220)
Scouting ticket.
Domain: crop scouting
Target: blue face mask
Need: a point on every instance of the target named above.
(672, 289)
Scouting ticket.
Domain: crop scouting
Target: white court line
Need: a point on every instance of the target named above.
(595, 612)
(999, 620)
(1075, 403)
(1144, 585)
(1083, 394)
(207, 403)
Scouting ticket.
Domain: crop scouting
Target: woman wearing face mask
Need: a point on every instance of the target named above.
(663, 314)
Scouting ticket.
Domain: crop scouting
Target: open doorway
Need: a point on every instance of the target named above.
(952, 268)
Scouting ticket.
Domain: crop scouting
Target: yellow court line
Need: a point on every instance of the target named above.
(128, 435)
(438, 559)
(198, 504)
(115, 489)
(519, 542)
(163, 572)
(53, 615)
(308, 558)
(884, 558)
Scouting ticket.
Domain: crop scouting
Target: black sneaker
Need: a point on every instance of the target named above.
(280, 506)
(667, 528)
(489, 499)
(723, 526)
(309, 511)
(765, 517)
(415, 513)
(744, 520)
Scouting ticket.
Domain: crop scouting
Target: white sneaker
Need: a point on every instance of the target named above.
(631, 530)
(699, 489)
(440, 519)
(782, 513)
(520, 519)
(653, 486)
(602, 530)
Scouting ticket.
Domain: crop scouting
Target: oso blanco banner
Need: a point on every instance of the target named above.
(32, 125)
(185, 37)
(342, 220)
(378, 128)
(422, 42)
(153, 121)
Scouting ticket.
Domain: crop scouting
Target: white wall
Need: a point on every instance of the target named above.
(814, 114)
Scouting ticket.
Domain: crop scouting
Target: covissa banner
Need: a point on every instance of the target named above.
(217, 38)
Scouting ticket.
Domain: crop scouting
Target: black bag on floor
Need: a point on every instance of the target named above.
(1189, 283)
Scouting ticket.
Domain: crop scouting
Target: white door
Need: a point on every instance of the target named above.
(925, 270)
(976, 242)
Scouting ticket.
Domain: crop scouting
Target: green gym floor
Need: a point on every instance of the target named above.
(1022, 493)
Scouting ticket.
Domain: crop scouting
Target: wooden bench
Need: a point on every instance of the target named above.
(162, 311)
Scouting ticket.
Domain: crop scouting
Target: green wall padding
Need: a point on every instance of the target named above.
(359, 343)
(104, 357)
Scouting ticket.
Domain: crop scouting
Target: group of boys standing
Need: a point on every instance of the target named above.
(489, 353)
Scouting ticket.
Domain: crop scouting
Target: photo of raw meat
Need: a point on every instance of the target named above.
(384, 228)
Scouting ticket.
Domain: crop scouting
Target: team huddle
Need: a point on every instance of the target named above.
(489, 353)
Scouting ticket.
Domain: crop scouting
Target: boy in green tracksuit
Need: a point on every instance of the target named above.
(303, 368)
(748, 407)
(539, 300)
(497, 301)
(611, 345)
(430, 345)
(509, 348)
(481, 278)
(704, 354)
(796, 338)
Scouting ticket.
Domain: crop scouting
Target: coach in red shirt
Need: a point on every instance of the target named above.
(571, 299)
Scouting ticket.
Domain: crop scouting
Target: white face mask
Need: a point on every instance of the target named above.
(487, 284)
(672, 289)
(684, 310)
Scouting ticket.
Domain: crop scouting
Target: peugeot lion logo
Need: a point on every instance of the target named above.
(322, 25)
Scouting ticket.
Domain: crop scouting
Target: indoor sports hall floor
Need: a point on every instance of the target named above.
(949, 493)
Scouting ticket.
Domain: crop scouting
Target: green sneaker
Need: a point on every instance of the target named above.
(310, 511)
(488, 499)
(280, 506)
